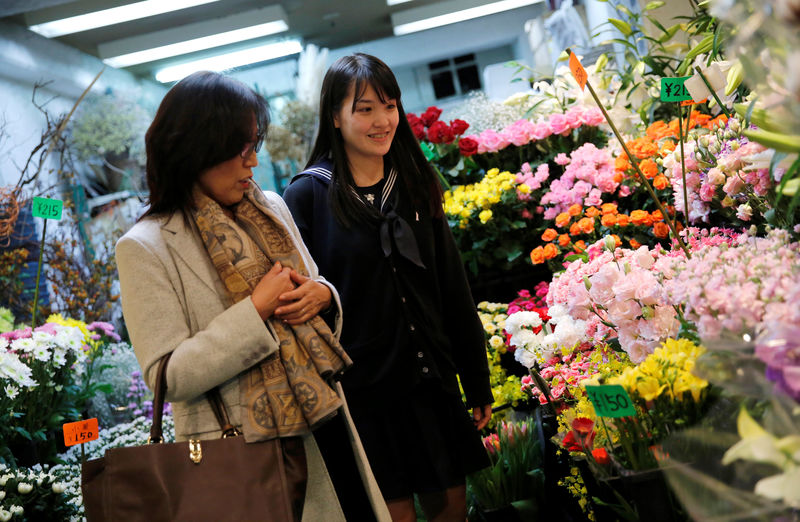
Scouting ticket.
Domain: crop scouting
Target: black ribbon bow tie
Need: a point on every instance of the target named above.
(394, 226)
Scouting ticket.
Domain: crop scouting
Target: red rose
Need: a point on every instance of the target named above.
(467, 146)
(440, 132)
(418, 128)
(412, 118)
(459, 127)
(430, 115)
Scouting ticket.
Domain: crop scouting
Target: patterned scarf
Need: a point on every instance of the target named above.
(286, 394)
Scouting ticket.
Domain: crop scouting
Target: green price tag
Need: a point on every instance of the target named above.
(672, 89)
(426, 150)
(47, 208)
(610, 400)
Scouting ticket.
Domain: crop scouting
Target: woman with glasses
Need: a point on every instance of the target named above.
(216, 273)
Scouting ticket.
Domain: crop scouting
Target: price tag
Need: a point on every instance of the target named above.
(80, 432)
(578, 72)
(610, 400)
(673, 90)
(426, 150)
(47, 208)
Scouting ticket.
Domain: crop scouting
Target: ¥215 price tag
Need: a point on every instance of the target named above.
(47, 208)
(610, 400)
(673, 90)
(80, 432)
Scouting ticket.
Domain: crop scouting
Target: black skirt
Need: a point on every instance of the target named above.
(425, 443)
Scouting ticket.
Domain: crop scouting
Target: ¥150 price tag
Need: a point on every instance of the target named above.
(610, 400)
(80, 432)
(673, 90)
(47, 208)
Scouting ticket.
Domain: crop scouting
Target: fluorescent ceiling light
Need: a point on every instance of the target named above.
(197, 44)
(112, 16)
(404, 22)
(395, 2)
(223, 62)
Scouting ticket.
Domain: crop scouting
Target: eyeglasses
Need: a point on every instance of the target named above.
(252, 146)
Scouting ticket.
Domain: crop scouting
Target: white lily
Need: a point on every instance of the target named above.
(758, 445)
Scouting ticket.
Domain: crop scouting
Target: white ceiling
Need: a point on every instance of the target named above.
(325, 23)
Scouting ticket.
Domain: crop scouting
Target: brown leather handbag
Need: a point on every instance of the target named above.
(208, 480)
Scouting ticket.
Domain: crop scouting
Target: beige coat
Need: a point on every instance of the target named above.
(174, 301)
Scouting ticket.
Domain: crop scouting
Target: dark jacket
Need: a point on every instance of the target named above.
(402, 322)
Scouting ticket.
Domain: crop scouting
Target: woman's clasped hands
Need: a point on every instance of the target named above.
(289, 296)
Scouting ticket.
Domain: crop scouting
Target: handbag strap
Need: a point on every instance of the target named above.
(214, 398)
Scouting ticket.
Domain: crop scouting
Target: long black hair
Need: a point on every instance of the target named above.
(405, 155)
(205, 119)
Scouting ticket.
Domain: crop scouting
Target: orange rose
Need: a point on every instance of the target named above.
(549, 235)
(586, 225)
(623, 220)
(621, 163)
(608, 220)
(617, 240)
(667, 147)
(550, 251)
(640, 217)
(618, 177)
(648, 167)
(656, 216)
(574, 229)
(575, 209)
(608, 208)
(660, 182)
(562, 220)
(660, 230)
(563, 240)
(592, 212)
(634, 244)
(580, 246)
(537, 255)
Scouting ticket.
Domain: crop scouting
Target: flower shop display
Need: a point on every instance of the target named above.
(512, 487)
(38, 493)
(41, 389)
(493, 222)
(506, 388)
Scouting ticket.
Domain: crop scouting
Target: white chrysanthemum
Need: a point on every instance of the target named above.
(23, 345)
(15, 370)
(11, 391)
(59, 357)
(41, 352)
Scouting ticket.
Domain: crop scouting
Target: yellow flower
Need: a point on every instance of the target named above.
(688, 382)
(485, 215)
(649, 388)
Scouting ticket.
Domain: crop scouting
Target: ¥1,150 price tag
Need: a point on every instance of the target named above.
(80, 432)
(673, 90)
(47, 208)
(610, 400)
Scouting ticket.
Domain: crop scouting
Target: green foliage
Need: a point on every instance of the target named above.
(108, 124)
(515, 473)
